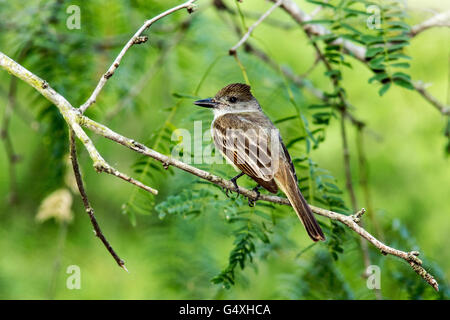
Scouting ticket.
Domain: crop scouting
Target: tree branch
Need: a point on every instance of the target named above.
(439, 20)
(69, 114)
(144, 80)
(12, 156)
(253, 26)
(136, 39)
(87, 206)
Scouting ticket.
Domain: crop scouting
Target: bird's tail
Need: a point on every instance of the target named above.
(287, 182)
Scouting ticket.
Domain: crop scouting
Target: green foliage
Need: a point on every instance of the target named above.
(384, 34)
(305, 283)
(244, 247)
(149, 172)
(187, 203)
(191, 234)
(251, 224)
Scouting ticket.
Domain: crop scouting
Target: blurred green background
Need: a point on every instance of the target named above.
(176, 256)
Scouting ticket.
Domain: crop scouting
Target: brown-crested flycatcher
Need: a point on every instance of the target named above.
(252, 144)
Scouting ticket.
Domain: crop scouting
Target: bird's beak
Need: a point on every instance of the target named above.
(207, 103)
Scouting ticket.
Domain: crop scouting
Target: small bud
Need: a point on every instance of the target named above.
(191, 8)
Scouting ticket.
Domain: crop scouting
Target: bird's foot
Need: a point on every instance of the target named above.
(251, 202)
(236, 187)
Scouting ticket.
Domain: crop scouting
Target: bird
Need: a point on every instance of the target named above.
(252, 144)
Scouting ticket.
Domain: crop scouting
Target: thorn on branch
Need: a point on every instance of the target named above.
(357, 216)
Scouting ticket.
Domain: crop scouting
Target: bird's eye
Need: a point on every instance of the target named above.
(232, 99)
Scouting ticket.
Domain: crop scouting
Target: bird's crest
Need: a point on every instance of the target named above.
(239, 90)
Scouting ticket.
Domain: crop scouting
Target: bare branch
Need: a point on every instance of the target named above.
(439, 20)
(87, 206)
(110, 170)
(144, 80)
(134, 40)
(253, 26)
(420, 88)
(12, 156)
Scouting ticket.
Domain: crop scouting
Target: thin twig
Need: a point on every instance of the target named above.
(144, 80)
(351, 192)
(347, 169)
(87, 206)
(253, 26)
(364, 181)
(420, 88)
(189, 5)
(5, 136)
(438, 20)
(110, 170)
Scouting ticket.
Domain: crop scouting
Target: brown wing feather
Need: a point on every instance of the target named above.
(239, 159)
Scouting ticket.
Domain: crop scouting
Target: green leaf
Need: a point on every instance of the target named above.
(399, 24)
(370, 39)
(334, 74)
(377, 63)
(401, 65)
(396, 55)
(318, 106)
(379, 77)
(326, 37)
(320, 3)
(371, 52)
(404, 83)
(318, 21)
(384, 88)
(400, 38)
(401, 75)
(285, 119)
(349, 27)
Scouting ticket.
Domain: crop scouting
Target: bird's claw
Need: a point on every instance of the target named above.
(251, 202)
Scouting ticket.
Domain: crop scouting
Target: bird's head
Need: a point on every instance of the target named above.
(235, 97)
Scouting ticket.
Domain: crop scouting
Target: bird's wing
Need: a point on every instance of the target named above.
(248, 141)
